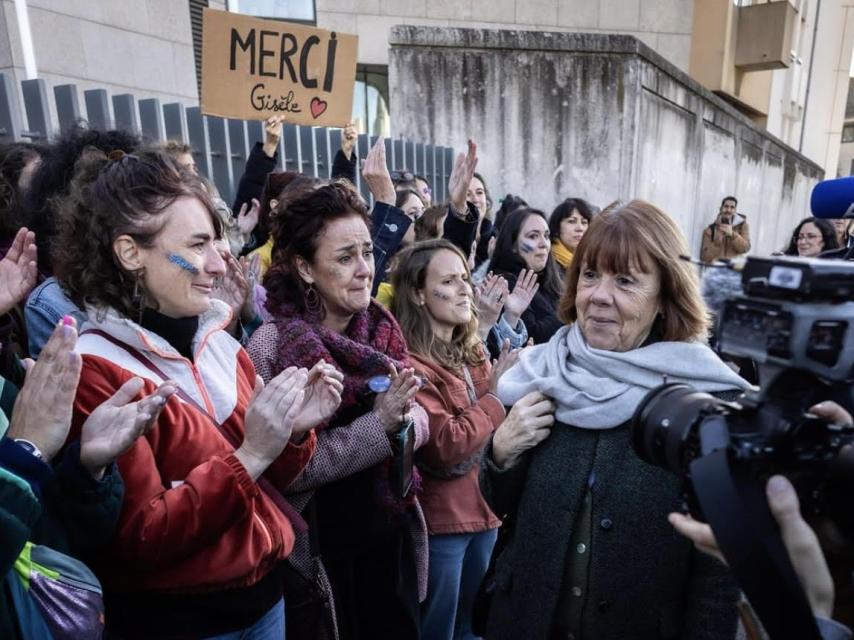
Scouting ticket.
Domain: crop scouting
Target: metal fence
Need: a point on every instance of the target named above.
(221, 145)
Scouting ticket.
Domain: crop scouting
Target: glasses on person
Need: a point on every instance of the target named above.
(402, 176)
(807, 236)
(427, 191)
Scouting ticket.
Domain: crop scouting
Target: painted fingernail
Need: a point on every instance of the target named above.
(68, 321)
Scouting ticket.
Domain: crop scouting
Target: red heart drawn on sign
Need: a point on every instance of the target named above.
(318, 107)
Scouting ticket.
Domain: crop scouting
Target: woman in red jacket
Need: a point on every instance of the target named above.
(203, 525)
(433, 303)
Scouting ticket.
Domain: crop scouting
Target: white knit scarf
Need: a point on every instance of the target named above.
(596, 389)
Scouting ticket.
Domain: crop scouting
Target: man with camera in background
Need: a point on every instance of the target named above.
(728, 236)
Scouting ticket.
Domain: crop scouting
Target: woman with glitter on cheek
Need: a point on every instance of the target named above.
(524, 242)
(434, 306)
(203, 517)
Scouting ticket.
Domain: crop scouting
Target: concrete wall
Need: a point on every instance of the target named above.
(601, 117)
(665, 25)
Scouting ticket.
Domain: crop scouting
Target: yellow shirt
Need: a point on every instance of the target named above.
(265, 251)
(385, 294)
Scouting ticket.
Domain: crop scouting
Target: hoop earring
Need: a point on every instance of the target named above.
(312, 300)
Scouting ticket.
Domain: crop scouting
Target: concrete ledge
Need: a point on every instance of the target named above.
(409, 36)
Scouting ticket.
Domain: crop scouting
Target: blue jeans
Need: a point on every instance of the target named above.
(270, 626)
(458, 563)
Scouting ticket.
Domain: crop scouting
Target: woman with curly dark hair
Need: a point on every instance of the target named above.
(367, 538)
(203, 524)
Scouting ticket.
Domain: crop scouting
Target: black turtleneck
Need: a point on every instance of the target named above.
(178, 332)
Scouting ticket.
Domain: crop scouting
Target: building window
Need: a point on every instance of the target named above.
(291, 10)
(848, 133)
(370, 100)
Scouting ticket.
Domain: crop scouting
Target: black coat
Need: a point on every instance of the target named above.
(646, 581)
(251, 183)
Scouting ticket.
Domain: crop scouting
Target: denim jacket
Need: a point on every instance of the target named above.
(45, 307)
(389, 224)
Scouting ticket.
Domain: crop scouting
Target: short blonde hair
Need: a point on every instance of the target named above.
(637, 234)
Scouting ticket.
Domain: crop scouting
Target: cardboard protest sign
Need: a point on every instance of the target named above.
(253, 69)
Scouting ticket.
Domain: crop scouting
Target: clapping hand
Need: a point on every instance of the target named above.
(247, 219)
(348, 140)
(270, 419)
(113, 427)
(375, 172)
(390, 406)
(461, 177)
(233, 288)
(43, 409)
(18, 270)
(490, 300)
(251, 268)
(322, 397)
(519, 299)
(506, 359)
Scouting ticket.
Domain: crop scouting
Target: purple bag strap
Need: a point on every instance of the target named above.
(265, 485)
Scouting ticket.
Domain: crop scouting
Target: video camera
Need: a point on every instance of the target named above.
(796, 321)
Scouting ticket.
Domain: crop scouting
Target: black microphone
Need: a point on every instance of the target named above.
(833, 198)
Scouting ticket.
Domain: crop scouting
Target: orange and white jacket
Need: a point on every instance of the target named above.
(192, 519)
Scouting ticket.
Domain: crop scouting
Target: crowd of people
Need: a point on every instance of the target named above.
(298, 416)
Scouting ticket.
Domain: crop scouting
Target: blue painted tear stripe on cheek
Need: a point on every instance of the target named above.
(527, 248)
(182, 262)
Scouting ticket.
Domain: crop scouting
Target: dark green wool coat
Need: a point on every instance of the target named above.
(646, 581)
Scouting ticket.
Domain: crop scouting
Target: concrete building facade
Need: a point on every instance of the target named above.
(600, 117)
(800, 101)
(145, 47)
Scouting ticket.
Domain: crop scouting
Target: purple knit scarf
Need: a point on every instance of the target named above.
(371, 343)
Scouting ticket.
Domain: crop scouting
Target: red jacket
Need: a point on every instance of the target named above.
(192, 520)
(458, 430)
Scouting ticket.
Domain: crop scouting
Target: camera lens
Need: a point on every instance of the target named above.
(665, 424)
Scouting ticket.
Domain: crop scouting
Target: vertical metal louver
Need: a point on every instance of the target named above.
(196, 7)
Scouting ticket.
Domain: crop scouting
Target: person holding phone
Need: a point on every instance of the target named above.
(434, 304)
(728, 236)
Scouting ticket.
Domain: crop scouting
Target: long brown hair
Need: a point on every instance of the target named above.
(409, 276)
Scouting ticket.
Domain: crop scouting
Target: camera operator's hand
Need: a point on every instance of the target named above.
(832, 412)
(800, 540)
